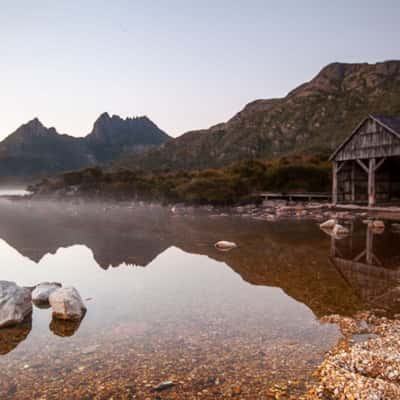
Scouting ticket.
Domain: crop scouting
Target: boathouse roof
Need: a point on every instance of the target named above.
(389, 123)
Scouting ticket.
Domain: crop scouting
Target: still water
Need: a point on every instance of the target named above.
(165, 305)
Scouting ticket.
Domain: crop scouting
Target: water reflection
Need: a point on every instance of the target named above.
(11, 337)
(291, 255)
(64, 328)
(176, 306)
(368, 259)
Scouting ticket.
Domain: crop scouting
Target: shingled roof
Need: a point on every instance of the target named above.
(392, 124)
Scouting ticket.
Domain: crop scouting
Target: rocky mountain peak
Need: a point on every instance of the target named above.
(34, 150)
(311, 119)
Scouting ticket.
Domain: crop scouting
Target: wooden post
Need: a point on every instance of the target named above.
(333, 246)
(353, 181)
(369, 245)
(371, 182)
(334, 183)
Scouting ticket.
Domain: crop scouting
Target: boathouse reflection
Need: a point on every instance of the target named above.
(371, 270)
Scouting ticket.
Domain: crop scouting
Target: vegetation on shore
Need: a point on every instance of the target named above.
(235, 184)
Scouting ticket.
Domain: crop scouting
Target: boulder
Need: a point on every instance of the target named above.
(339, 230)
(224, 245)
(15, 303)
(67, 304)
(42, 291)
(329, 224)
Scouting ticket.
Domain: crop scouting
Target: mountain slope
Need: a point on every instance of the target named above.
(34, 150)
(312, 118)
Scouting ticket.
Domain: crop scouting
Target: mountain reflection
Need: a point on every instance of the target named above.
(328, 276)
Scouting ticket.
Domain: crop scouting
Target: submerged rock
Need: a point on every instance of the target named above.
(15, 303)
(224, 245)
(67, 304)
(329, 224)
(340, 230)
(396, 228)
(42, 291)
(378, 225)
(164, 385)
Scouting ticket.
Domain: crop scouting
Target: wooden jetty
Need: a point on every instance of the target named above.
(295, 196)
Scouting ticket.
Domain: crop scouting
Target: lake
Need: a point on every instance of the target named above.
(165, 305)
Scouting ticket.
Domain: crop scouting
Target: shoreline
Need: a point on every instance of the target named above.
(268, 210)
(364, 364)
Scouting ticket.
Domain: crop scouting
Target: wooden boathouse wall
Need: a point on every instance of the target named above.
(366, 166)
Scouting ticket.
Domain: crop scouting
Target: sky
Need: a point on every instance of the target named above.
(185, 64)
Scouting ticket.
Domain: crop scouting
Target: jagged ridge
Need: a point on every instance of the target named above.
(34, 150)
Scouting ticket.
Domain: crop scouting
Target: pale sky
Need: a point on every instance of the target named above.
(185, 64)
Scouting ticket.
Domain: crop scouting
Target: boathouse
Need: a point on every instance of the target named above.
(366, 166)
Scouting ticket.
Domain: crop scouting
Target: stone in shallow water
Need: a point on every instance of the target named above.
(67, 304)
(164, 385)
(224, 245)
(15, 303)
(42, 291)
(340, 230)
(329, 224)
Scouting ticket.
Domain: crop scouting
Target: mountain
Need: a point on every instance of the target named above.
(112, 136)
(34, 150)
(312, 118)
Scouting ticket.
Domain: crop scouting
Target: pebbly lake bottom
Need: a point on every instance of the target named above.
(165, 305)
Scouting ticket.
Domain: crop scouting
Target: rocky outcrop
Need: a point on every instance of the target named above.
(67, 304)
(15, 303)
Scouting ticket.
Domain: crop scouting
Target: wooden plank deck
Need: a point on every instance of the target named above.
(295, 196)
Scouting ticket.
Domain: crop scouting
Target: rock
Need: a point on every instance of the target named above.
(377, 224)
(164, 385)
(224, 245)
(340, 230)
(67, 304)
(15, 303)
(396, 227)
(329, 224)
(42, 291)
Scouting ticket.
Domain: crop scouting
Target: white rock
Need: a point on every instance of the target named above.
(67, 304)
(329, 224)
(15, 303)
(224, 245)
(43, 290)
(340, 230)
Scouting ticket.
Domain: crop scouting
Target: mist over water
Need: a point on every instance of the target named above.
(157, 290)
(13, 191)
